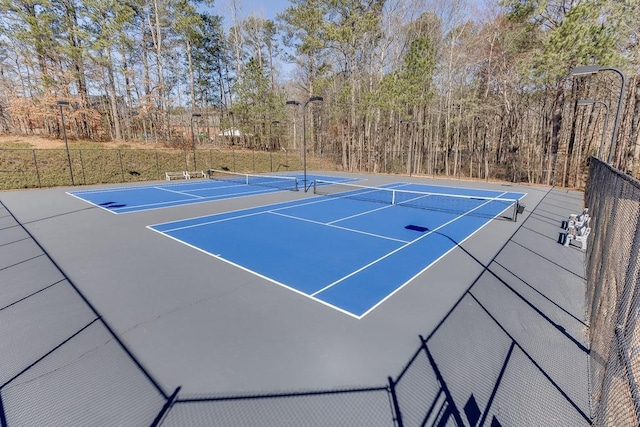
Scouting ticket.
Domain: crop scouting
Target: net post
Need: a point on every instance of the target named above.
(393, 197)
(519, 209)
(314, 187)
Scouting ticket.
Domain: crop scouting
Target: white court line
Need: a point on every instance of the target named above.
(319, 199)
(405, 183)
(193, 183)
(158, 205)
(378, 209)
(359, 214)
(178, 192)
(353, 273)
(186, 227)
(91, 203)
(314, 201)
(425, 268)
(337, 226)
(290, 288)
(219, 187)
(313, 296)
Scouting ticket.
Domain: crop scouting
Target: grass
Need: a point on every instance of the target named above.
(14, 144)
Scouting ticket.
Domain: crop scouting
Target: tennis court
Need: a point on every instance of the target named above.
(133, 324)
(350, 251)
(221, 185)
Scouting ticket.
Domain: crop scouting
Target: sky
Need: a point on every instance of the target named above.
(270, 8)
(262, 8)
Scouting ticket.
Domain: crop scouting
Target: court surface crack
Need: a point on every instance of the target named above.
(180, 308)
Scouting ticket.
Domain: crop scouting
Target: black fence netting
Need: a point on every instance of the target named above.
(613, 295)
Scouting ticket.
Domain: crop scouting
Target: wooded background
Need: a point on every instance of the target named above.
(443, 87)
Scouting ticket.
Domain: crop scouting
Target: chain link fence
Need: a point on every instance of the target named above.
(38, 168)
(613, 295)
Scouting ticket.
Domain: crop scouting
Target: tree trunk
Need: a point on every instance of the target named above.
(113, 100)
(633, 154)
(555, 136)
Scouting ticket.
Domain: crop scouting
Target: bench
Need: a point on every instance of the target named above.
(175, 175)
(195, 174)
(577, 220)
(579, 235)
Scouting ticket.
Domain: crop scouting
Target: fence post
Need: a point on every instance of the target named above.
(157, 163)
(35, 163)
(121, 166)
(84, 177)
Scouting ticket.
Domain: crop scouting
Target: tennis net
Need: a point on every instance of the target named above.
(490, 207)
(281, 182)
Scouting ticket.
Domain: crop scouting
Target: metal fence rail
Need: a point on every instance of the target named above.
(613, 295)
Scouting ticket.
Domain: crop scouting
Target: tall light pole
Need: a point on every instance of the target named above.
(413, 122)
(275, 122)
(588, 70)
(304, 132)
(193, 139)
(606, 119)
(64, 133)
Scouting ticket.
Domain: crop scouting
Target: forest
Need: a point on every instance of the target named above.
(517, 90)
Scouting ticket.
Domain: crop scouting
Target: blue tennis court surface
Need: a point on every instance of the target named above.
(134, 199)
(345, 253)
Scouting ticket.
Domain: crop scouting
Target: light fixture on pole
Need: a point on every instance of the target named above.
(193, 139)
(588, 70)
(606, 119)
(64, 133)
(304, 132)
(413, 122)
(275, 122)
